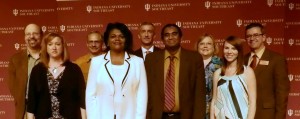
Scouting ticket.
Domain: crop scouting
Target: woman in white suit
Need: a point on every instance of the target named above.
(117, 84)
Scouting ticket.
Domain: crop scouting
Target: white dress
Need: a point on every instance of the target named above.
(232, 100)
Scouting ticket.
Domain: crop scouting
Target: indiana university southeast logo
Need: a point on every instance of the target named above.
(17, 46)
(207, 4)
(291, 6)
(89, 8)
(270, 2)
(291, 42)
(291, 77)
(147, 7)
(239, 22)
(44, 29)
(15, 12)
(269, 40)
(62, 28)
(290, 112)
(178, 23)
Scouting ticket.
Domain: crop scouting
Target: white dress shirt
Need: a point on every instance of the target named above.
(144, 50)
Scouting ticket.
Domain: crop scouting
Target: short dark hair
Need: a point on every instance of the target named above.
(124, 30)
(170, 25)
(259, 25)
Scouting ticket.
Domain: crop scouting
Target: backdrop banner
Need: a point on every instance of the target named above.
(74, 19)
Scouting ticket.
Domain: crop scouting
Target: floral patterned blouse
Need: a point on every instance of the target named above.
(53, 86)
(210, 68)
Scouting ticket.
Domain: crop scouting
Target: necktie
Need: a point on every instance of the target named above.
(147, 52)
(170, 86)
(254, 62)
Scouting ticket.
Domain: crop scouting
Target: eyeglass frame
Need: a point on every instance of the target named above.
(256, 35)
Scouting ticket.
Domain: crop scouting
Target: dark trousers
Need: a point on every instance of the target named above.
(171, 116)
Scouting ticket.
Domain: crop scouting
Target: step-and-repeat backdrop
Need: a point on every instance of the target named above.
(221, 18)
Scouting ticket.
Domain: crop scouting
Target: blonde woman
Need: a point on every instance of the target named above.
(208, 49)
(56, 87)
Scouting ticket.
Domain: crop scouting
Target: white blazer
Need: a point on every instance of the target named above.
(100, 89)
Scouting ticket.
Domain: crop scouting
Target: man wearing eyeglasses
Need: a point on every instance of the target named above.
(20, 66)
(94, 44)
(271, 75)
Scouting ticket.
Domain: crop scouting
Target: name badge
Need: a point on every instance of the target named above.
(263, 62)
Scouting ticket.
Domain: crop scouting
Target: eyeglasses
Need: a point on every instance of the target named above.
(254, 35)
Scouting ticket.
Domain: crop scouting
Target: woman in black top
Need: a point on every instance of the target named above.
(56, 87)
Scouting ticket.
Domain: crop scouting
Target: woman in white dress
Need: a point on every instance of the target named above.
(234, 85)
(117, 84)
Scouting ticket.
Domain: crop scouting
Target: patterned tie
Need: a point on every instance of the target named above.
(170, 86)
(254, 62)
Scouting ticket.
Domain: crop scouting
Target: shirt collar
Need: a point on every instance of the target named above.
(150, 49)
(107, 56)
(259, 53)
(89, 58)
(29, 55)
(177, 55)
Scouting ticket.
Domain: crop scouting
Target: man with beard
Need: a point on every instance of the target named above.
(94, 44)
(20, 66)
(176, 83)
(146, 35)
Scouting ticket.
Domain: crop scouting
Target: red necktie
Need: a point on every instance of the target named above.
(254, 62)
(170, 86)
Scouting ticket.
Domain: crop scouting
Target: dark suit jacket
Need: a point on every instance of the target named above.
(139, 52)
(70, 93)
(272, 86)
(17, 83)
(191, 85)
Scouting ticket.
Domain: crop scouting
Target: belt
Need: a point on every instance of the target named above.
(171, 115)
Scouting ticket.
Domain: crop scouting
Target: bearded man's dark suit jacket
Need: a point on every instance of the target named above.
(139, 52)
(191, 85)
(17, 82)
(272, 86)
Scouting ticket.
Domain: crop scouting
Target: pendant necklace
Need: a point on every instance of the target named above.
(54, 70)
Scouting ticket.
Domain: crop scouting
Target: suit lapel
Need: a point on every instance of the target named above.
(247, 56)
(139, 53)
(160, 73)
(156, 49)
(183, 70)
(126, 75)
(24, 64)
(260, 68)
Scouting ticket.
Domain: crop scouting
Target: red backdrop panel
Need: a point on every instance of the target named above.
(221, 18)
